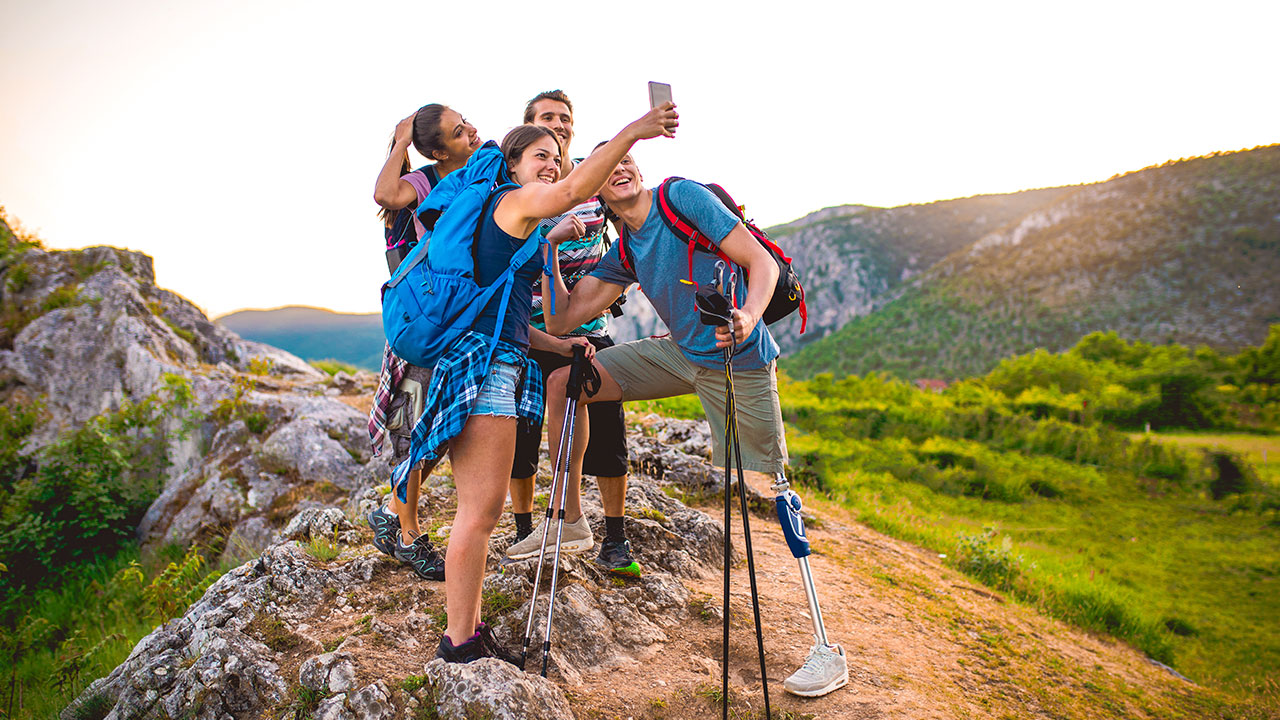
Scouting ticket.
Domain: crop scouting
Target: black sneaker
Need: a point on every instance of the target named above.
(616, 556)
(422, 557)
(494, 648)
(473, 649)
(386, 528)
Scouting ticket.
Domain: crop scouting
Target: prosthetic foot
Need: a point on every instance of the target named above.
(825, 670)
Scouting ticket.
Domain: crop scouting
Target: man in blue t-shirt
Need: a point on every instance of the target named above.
(691, 358)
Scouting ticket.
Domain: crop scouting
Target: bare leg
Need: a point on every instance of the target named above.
(556, 404)
(522, 494)
(613, 494)
(481, 456)
(407, 511)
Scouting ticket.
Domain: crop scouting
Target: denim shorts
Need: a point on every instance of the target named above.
(498, 393)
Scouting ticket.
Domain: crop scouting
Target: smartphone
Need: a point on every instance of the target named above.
(659, 93)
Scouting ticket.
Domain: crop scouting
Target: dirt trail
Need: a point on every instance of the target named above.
(922, 641)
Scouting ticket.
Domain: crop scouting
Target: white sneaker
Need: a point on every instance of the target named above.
(577, 538)
(824, 671)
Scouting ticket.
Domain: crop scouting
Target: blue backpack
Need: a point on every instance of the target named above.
(433, 298)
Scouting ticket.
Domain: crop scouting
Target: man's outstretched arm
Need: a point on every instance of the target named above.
(590, 297)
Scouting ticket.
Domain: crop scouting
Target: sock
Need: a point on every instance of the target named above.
(524, 524)
(452, 645)
(613, 531)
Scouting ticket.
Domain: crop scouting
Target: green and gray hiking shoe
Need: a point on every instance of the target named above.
(615, 555)
(422, 557)
(386, 528)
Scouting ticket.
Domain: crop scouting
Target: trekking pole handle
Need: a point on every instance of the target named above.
(577, 372)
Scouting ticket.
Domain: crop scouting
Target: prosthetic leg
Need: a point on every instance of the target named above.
(825, 670)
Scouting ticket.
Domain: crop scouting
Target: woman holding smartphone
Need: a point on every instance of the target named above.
(510, 386)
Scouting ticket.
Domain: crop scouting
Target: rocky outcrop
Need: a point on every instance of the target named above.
(272, 465)
(354, 636)
(267, 438)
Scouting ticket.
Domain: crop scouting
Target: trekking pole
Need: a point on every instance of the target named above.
(562, 462)
(716, 309)
(731, 422)
(572, 390)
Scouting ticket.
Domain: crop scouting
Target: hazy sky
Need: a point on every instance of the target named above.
(238, 142)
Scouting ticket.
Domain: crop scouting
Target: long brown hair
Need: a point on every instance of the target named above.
(519, 140)
(427, 139)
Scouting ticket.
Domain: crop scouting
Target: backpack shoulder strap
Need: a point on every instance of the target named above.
(681, 226)
(490, 202)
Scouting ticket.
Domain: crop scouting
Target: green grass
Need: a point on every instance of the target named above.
(1190, 581)
(1262, 451)
(333, 367)
(685, 407)
(81, 630)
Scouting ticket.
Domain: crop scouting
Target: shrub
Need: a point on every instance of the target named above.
(993, 564)
(260, 366)
(65, 296)
(89, 488)
(178, 586)
(332, 367)
(17, 420)
(1231, 474)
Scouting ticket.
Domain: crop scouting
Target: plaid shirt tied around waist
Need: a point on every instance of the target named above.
(455, 385)
(393, 369)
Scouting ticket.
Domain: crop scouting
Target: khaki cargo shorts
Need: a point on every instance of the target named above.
(655, 368)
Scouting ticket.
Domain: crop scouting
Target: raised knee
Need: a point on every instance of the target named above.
(558, 380)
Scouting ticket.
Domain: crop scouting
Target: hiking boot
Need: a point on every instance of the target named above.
(472, 649)
(422, 557)
(615, 555)
(824, 671)
(577, 538)
(386, 528)
(494, 648)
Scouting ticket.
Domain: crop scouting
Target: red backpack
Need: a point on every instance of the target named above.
(788, 295)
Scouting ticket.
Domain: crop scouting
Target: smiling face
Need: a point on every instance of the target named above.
(540, 162)
(458, 137)
(625, 183)
(556, 117)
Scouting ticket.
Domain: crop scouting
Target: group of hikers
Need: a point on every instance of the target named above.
(485, 406)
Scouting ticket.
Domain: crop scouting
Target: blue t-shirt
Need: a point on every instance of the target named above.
(661, 261)
(493, 251)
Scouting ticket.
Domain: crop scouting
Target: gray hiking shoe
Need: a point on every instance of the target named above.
(824, 671)
(577, 538)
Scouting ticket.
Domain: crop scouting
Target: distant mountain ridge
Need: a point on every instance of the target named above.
(314, 333)
(948, 288)
(1186, 252)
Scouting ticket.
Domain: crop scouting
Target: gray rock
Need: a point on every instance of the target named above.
(304, 449)
(328, 673)
(493, 686)
(346, 384)
(326, 523)
(281, 362)
(372, 702)
(334, 708)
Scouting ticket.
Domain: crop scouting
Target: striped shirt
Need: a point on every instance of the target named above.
(577, 259)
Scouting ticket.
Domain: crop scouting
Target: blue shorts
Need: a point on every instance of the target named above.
(498, 393)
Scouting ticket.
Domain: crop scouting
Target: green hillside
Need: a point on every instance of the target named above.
(314, 334)
(1032, 480)
(850, 257)
(1187, 252)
